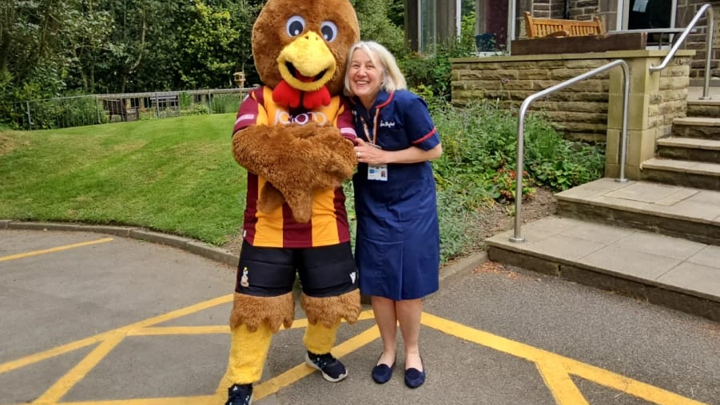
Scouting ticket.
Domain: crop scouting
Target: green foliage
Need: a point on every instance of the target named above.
(207, 50)
(479, 155)
(376, 26)
(434, 71)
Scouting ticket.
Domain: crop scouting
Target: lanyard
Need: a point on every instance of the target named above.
(375, 127)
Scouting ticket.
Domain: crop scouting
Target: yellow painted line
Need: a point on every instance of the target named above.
(199, 400)
(561, 385)
(72, 377)
(207, 330)
(303, 370)
(179, 330)
(56, 351)
(303, 323)
(635, 388)
(52, 250)
(595, 374)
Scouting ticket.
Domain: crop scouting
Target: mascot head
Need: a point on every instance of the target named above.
(301, 46)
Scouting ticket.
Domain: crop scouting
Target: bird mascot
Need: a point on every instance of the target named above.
(294, 136)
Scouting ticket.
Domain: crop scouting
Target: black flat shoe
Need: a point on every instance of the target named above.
(414, 377)
(382, 373)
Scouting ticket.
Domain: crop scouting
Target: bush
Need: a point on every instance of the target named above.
(480, 154)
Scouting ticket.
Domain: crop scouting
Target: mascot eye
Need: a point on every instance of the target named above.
(295, 26)
(329, 30)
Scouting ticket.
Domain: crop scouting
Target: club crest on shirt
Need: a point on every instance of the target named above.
(244, 280)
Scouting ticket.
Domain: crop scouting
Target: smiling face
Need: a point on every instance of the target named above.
(304, 43)
(365, 76)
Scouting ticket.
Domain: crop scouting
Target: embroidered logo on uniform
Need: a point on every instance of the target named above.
(244, 281)
(386, 124)
(353, 275)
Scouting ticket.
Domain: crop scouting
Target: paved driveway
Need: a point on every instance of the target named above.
(100, 320)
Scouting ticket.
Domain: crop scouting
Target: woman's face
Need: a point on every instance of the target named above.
(365, 76)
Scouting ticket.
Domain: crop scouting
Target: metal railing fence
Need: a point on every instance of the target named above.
(63, 112)
(517, 237)
(710, 28)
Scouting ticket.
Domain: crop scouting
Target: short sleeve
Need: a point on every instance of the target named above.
(419, 126)
(344, 121)
(250, 111)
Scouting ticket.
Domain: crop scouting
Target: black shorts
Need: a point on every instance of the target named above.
(324, 271)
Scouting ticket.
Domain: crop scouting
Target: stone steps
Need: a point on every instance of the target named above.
(696, 174)
(697, 127)
(652, 241)
(700, 150)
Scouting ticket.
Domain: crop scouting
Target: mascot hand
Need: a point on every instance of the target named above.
(297, 160)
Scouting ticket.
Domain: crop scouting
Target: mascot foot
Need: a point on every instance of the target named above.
(330, 367)
(240, 394)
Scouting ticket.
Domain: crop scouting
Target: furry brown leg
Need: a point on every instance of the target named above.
(328, 310)
(252, 311)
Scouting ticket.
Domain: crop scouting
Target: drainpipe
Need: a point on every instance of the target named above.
(566, 9)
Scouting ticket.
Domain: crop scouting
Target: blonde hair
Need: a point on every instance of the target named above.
(393, 78)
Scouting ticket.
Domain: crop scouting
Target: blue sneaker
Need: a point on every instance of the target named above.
(330, 367)
(240, 394)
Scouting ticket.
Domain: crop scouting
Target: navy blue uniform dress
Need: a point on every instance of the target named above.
(397, 248)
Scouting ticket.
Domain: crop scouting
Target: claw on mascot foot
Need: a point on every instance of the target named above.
(240, 394)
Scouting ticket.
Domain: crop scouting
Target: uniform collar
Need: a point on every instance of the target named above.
(383, 98)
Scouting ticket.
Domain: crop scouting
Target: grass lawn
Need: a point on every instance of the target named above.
(172, 175)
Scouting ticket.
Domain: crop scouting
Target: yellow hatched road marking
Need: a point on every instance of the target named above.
(561, 385)
(554, 369)
(72, 377)
(56, 351)
(550, 362)
(52, 250)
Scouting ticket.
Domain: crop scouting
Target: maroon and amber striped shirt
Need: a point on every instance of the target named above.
(328, 224)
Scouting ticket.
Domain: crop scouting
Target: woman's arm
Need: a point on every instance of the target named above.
(369, 154)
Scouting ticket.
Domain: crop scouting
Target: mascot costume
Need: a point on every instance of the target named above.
(294, 135)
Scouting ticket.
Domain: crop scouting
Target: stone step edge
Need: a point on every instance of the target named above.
(713, 102)
(709, 169)
(697, 121)
(580, 200)
(689, 143)
(656, 293)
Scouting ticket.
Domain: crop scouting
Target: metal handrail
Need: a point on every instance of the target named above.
(708, 46)
(521, 131)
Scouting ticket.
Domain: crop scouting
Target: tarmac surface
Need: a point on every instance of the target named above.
(105, 318)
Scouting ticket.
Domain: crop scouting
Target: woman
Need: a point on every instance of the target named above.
(398, 242)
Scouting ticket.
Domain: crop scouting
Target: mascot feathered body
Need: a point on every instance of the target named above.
(294, 136)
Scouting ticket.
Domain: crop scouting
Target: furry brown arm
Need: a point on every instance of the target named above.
(297, 160)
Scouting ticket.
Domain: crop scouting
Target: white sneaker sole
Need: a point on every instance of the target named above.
(325, 376)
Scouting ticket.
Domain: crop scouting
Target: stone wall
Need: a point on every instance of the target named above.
(580, 111)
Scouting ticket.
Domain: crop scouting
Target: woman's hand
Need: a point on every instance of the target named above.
(373, 155)
(367, 153)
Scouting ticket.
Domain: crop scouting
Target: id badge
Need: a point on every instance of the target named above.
(378, 172)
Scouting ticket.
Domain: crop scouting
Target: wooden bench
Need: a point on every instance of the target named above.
(549, 27)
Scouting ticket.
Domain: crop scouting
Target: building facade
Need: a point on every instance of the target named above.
(429, 22)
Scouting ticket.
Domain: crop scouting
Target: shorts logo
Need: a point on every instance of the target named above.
(244, 279)
(353, 276)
